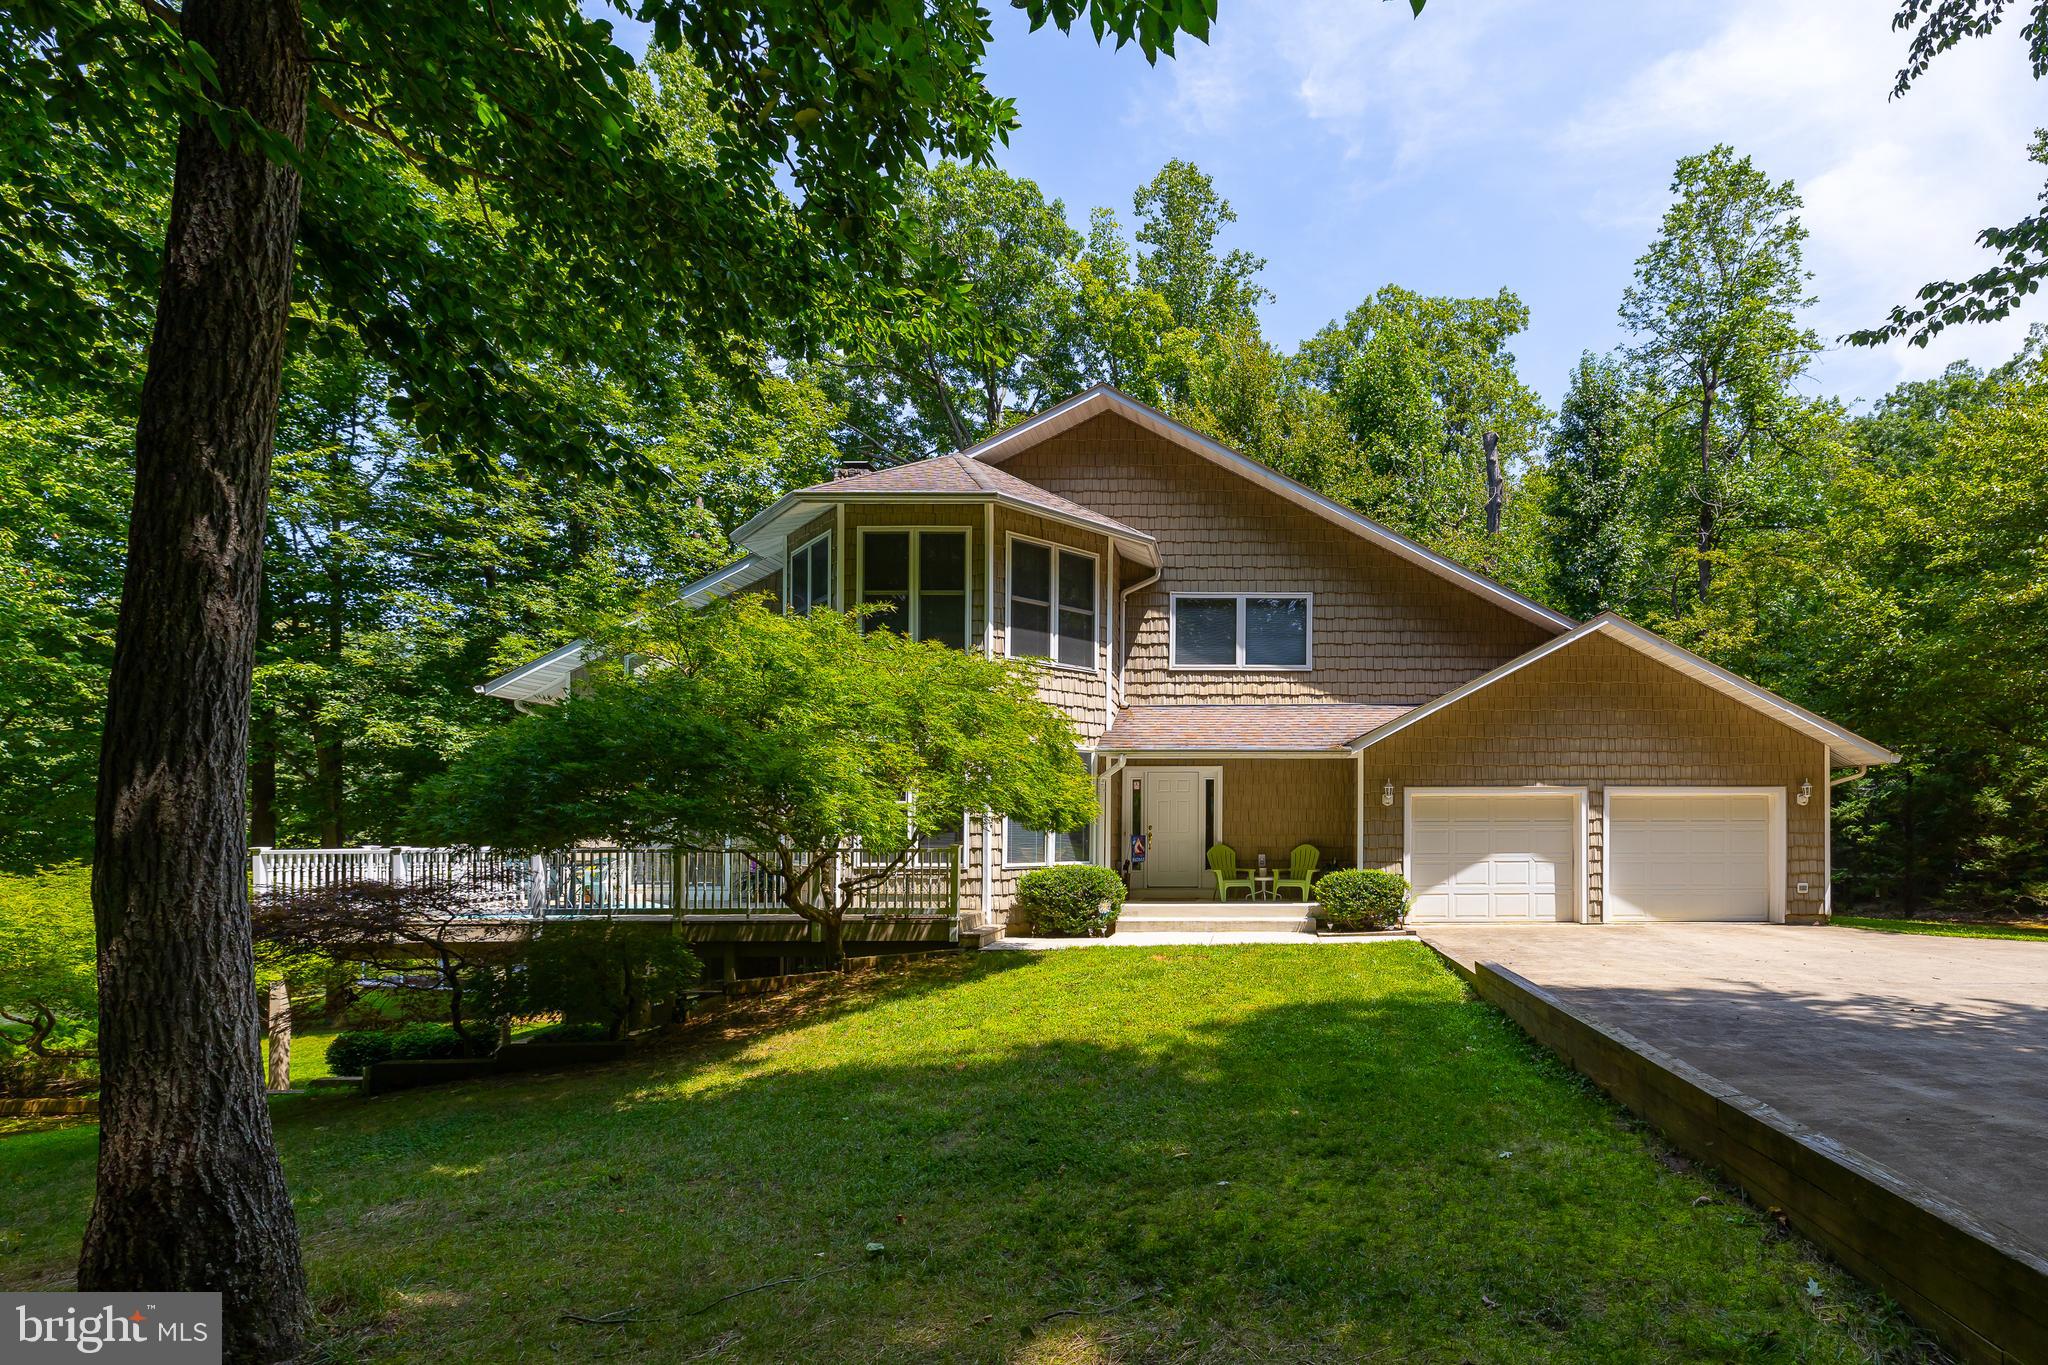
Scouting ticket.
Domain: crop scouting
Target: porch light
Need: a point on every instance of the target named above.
(1387, 792)
(1805, 792)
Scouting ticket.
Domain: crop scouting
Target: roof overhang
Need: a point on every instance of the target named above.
(544, 679)
(1845, 747)
(1094, 402)
(735, 577)
(767, 533)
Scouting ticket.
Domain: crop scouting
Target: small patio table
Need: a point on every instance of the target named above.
(1262, 884)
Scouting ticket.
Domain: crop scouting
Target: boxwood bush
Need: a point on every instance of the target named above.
(1074, 902)
(1365, 898)
(349, 1053)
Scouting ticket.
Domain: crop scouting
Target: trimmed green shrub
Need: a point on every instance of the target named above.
(350, 1052)
(1365, 898)
(428, 1040)
(1075, 902)
(568, 1033)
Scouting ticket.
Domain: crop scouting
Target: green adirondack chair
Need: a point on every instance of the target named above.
(1301, 869)
(1223, 862)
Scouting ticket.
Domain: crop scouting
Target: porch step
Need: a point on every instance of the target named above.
(1230, 917)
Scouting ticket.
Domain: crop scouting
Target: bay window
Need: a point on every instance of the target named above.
(1052, 606)
(919, 579)
(809, 575)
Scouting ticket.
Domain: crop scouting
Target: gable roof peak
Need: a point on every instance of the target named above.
(1099, 399)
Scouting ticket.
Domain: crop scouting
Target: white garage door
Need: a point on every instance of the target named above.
(1675, 856)
(1492, 857)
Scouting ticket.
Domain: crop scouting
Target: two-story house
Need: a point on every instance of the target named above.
(1249, 663)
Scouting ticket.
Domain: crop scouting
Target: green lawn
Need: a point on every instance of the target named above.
(1220, 1154)
(1943, 928)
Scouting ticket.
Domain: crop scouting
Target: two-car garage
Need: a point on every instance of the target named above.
(1506, 854)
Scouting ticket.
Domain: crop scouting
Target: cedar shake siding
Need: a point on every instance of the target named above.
(1384, 631)
(1596, 715)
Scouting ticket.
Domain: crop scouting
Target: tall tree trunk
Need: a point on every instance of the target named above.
(328, 782)
(277, 1025)
(1706, 531)
(190, 1195)
(263, 784)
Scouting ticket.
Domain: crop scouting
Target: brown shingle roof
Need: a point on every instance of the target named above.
(958, 476)
(1294, 728)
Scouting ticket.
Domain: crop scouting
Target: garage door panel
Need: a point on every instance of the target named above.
(1482, 858)
(1685, 856)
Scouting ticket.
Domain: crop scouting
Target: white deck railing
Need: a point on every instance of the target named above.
(608, 882)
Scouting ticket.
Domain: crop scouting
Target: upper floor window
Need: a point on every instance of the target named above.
(919, 579)
(1241, 630)
(1052, 604)
(810, 575)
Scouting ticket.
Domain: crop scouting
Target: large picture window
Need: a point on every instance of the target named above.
(810, 575)
(1241, 630)
(919, 579)
(1052, 604)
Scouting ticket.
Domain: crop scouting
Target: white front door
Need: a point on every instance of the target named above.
(1689, 856)
(1493, 856)
(1172, 800)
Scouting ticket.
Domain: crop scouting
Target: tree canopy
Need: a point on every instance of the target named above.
(789, 736)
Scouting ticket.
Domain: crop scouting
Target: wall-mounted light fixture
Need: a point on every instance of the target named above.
(1805, 792)
(1387, 792)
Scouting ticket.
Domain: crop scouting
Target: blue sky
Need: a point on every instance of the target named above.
(1530, 144)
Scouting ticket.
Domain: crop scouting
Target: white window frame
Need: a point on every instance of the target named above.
(916, 622)
(1308, 600)
(1097, 831)
(1052, 608)
(831, 573)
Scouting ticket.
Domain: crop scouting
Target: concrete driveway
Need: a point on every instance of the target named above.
(1926, 1054)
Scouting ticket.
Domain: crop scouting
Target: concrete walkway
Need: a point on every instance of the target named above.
(1926, 1054)
(1209, 938)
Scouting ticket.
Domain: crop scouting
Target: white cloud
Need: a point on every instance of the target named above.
(1566, 121)
(1896, 190)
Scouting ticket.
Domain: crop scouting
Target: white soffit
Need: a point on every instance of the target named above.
(542, 679)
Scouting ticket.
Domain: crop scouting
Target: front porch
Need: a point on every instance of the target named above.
(1167, 812)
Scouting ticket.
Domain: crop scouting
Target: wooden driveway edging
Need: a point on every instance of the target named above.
(1982, 1293)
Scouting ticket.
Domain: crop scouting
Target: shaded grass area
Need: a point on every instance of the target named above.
(1943, 928)
(1230, 1153)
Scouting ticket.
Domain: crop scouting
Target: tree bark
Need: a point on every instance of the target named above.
(190, 1195)
(328, 782)
(1706, 529)
(263, 785)
(277, 1024)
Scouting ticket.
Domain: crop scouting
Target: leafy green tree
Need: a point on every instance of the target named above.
(944, 377)
(1597, 463)
(1420, 380)
(1916, 612)
(63, 515)
(789, 736)
(2022, 249)
(1123, 324)
(48, 992)
(323, 155)
(1715, 307)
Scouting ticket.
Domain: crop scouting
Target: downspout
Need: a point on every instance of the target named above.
(1123, 613)
(988, 581)
(1358, 836)
(1834, 782)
